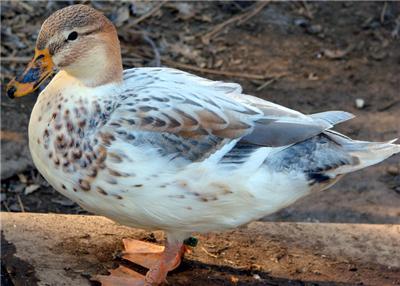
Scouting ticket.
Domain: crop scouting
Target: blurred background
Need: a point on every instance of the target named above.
(309, 56)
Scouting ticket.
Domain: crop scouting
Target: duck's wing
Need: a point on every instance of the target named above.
(288, 126)
(183, 107)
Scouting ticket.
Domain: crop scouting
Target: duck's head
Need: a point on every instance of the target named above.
(79, 40)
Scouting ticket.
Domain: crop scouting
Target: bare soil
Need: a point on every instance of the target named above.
(69, 249)
(307, 56)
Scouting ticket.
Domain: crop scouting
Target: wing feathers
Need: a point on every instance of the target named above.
(333, 117)
(170, 101)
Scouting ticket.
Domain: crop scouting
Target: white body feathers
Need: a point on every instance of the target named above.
(172, 151)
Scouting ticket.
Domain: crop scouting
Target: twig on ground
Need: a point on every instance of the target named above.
(15, 59)
(390, 105)
(157, 57)
(338, 53)
(11, 136)
(21, 205)
(240, 19)
(219, 72)
(267, 83)
(147, 15)
(208, 253)
(395, 32)
(383, 12)
(307, 10)
(6, 205)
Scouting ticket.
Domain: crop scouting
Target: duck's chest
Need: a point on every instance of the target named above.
(63, 140)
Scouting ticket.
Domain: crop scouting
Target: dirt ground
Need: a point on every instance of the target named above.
(70, 249)
(309, 56)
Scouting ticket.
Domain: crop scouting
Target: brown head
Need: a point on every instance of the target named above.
(79, 40)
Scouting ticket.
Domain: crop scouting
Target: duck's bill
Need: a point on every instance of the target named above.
(40, 68)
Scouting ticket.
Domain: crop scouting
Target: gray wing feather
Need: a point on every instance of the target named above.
(333, 117)
(277, 134)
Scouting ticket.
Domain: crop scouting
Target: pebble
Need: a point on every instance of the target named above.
(234, 279)
(314, 29)
(301, 22)
(352, 268)
(393, 170)
(360, 103)
(379, 55)
(31, 188)
(22, 178)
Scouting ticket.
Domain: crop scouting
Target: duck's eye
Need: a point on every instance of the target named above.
(72, 36)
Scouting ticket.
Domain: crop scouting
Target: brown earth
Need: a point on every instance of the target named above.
(70, 248)
(307, 56)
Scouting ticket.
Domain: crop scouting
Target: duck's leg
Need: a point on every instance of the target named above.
(158, 259)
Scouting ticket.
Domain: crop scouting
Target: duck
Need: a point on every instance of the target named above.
(158, 148)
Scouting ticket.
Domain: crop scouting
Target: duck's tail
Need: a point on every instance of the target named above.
(364, 153)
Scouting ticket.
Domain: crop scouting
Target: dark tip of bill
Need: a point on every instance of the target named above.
(11, 91)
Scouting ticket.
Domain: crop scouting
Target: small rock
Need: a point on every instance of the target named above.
(301, 22)
(360, 103)
(379, 55)
(353, 268)
(31, 188)
(314, 29)
(22, 178)
(257, 277)
(234, 279)
(312, 76)
(393, 170)
(338, 53)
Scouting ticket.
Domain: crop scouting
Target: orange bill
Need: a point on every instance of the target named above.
(40, 68)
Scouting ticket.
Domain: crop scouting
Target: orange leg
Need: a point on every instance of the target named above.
(158, 259)
(170, 259)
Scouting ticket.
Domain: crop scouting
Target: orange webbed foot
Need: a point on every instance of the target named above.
(142, 253)
(121, 276)
(158, 259)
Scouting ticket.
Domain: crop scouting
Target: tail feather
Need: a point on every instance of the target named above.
(364, 153)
